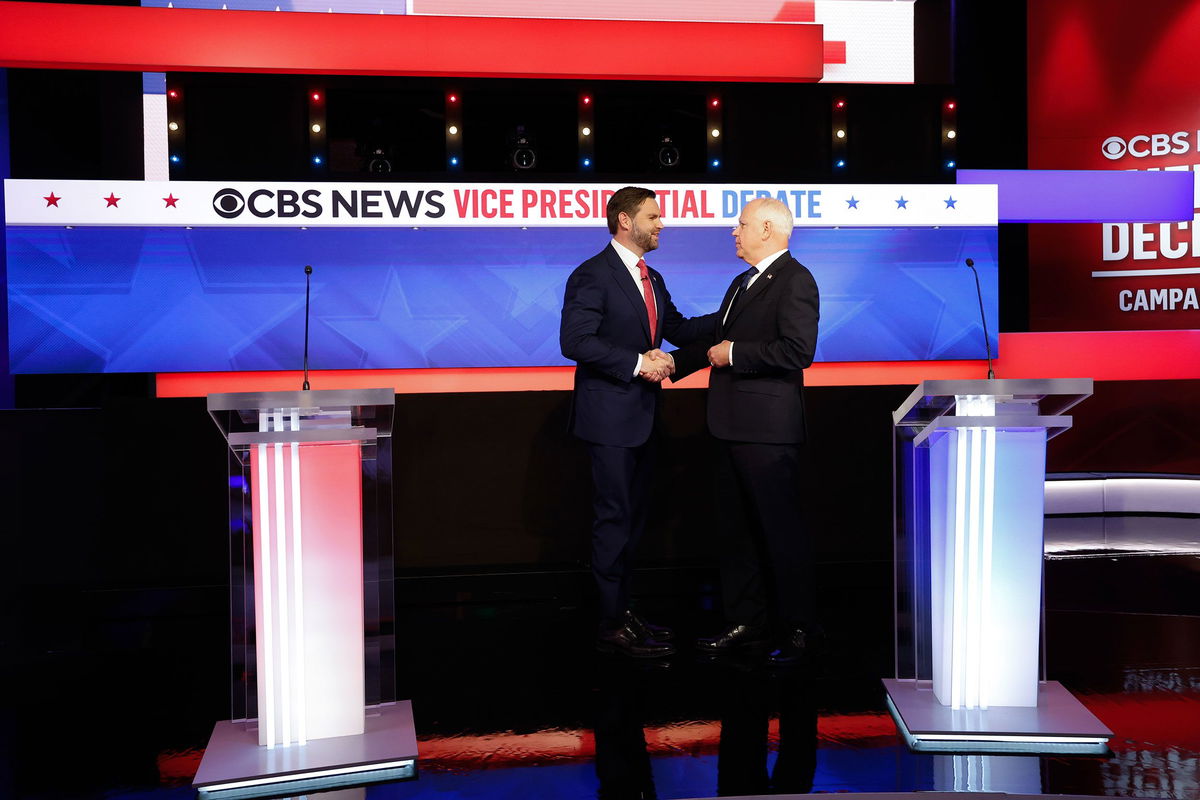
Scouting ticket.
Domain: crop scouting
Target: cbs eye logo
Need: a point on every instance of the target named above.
(228, 203)
(1113, 147)
(1154, 144)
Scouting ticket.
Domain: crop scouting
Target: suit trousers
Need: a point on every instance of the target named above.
(621, 478)
(762, 540)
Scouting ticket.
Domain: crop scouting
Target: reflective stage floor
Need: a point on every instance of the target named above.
(511, 701)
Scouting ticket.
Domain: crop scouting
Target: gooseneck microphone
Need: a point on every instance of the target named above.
(983, 318)
(307, 287)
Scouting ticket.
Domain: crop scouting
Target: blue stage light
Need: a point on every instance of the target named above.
(949, 165)
(716, 163)
(175, 159)
(454, 161)
(587, 162)
(317, 160)
(841, 163)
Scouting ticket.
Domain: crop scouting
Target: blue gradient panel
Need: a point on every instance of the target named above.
(214, 299)
(1081, 195)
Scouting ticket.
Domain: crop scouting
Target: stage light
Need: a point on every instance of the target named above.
(716, 162)
(587, 162)
(316, 97)
(316, 128)
(453, 130)
(173, 94)
(522, 154)
(715, 102)
(453, 98)
(841, 162)
(175, 159)
(454, 161)
(174, 126)
(716, 132)
(668, 153)
(586, 131)
(587, 101)
(379, 163)
(950, 165)
(840, 104)
(950, 134)
(950, 106)
(840, 133)
(317, 160)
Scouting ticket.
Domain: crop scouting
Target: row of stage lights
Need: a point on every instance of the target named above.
(522, 149)
(841, 136)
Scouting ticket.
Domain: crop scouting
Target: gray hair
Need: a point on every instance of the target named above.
(777, 213)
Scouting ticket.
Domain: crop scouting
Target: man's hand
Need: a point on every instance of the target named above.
(656, 366)
(718, 354)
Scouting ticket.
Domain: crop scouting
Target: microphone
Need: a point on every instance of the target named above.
(307, 286)
(983, 318)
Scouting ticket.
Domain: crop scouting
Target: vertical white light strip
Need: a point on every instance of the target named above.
(974, 535)
(958, 617)
(301, 689)
(285, 667)
(154, 137)
(266, 711)
(987, 657)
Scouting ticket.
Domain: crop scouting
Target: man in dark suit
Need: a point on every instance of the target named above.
(616, 312)
(764, 335)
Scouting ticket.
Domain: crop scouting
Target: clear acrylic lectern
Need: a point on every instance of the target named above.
(970, 458)
(313, 647)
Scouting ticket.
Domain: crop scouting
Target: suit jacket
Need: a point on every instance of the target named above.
(604, 329)
(774, 335)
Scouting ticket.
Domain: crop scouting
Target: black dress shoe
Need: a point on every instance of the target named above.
(731, 638)
(628, 642)
(648, 630)
(795, 647)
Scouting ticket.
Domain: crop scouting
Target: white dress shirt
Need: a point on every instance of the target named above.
(630, 259)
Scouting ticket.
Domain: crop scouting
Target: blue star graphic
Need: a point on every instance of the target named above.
(901, 203)
(950, 202)
(852, 202)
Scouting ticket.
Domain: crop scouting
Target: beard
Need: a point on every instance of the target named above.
(644, 239)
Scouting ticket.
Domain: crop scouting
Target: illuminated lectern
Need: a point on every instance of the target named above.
(311, 597)
(970, 460)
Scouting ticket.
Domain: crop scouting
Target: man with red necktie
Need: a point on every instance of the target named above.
(616, 313)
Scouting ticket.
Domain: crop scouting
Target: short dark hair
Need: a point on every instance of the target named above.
(627, 200)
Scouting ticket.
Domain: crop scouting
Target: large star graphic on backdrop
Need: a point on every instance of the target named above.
(396, 332)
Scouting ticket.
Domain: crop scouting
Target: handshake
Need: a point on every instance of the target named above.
(656, 365)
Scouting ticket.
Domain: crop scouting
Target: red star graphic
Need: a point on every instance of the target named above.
(111, 200)
(170, 200)
(52, 200)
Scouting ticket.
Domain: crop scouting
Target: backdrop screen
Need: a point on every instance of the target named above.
(156, 299)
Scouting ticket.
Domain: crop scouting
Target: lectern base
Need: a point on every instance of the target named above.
(235, 765)
(1057, 724)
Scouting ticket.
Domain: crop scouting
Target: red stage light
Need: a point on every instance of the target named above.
(716, 103)
(453, 98)
(587, 101)
(173, 94)
(316, 96)
(840, 104)
(950, 106)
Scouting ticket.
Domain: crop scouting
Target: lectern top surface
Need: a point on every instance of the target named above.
(328, 399)
(932, 399)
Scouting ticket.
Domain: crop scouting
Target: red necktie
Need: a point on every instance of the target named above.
(651, 311)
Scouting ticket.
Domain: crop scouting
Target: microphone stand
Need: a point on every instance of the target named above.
(307, 286)
(983, 317)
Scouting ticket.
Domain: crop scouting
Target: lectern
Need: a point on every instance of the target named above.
(970, 460)
(310, 615)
